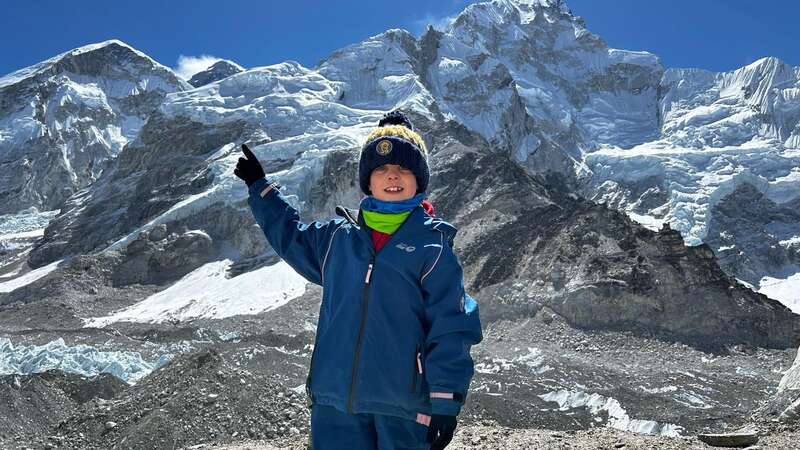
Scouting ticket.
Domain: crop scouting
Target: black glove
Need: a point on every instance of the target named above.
(248, 169)
(440, 431)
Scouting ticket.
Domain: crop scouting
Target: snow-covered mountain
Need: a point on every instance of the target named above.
(725, 170)
(524, 77)
(524, 110)
(61, 119)
(664, 146)
(538, 85)
(215, 72)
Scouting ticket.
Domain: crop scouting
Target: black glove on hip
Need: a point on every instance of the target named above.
(440, 431)
(248, 169)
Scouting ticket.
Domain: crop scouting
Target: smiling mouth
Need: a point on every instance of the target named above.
(393, 189)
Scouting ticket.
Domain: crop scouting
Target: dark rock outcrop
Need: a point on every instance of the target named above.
(525, 247)
(746, 229)
(217, 71)
(164, 165)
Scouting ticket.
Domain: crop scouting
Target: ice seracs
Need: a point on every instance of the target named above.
(81, 359)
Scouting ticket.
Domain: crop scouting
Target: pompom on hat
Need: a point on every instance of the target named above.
(394, 142)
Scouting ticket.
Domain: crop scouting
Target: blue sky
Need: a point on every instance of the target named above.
(709, 34)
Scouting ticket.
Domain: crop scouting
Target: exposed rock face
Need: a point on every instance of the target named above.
(338, 184)
(217, 71)
(61, 119)
(588, 263)
(149, 262)
(748, 230)
(723, 170)
(164, 165)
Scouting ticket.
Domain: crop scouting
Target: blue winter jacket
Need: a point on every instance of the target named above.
(394, 325)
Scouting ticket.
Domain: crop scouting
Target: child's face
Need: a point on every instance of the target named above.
(384, 180)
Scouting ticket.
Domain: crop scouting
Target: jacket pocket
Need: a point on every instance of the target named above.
(416, 369)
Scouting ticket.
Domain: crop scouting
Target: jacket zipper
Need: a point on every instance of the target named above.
(364, 234)
(360, 334)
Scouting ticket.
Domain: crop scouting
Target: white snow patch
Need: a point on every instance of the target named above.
(660, 390)
(785, 290)
(617, 416)
(692, 400)
(534, 359)
(23, 235)
(28, 278)
(494, 366)
(207, 293)
(649, 222)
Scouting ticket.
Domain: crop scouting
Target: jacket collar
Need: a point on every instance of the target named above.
(354, 217)
(351, 215)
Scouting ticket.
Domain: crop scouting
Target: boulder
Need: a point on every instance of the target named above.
(736, 439)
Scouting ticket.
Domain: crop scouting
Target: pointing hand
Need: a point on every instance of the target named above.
(248, 168)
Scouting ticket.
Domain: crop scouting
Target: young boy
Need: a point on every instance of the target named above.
(391, 364)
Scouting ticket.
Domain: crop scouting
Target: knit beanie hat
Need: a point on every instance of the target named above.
(394, 142)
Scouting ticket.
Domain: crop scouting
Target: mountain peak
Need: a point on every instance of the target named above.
(767, 64)
(101, 45)
(525, 13)
(215, 72)
(113, 52)
(560, 5)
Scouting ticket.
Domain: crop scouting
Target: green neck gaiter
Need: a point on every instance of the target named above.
(384, 222)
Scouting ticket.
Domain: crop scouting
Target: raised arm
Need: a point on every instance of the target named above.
(301, 245)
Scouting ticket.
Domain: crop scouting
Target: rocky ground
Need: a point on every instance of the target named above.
(490, 436)
(539, 382)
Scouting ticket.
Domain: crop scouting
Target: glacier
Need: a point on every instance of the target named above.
(81, 359)
(617, 416)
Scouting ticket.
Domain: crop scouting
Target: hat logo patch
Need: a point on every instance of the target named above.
(384, 147)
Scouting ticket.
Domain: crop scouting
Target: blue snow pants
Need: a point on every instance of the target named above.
(332, 429)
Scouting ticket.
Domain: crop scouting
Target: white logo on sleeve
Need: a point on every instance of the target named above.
(406, 247)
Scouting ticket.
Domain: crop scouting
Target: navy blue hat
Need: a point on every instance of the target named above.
(394, 142)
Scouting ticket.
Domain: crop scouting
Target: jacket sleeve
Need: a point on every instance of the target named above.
(301, 245)
(454, 326)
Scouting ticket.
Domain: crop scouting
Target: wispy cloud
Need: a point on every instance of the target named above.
(440, 23)
(190, 65)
